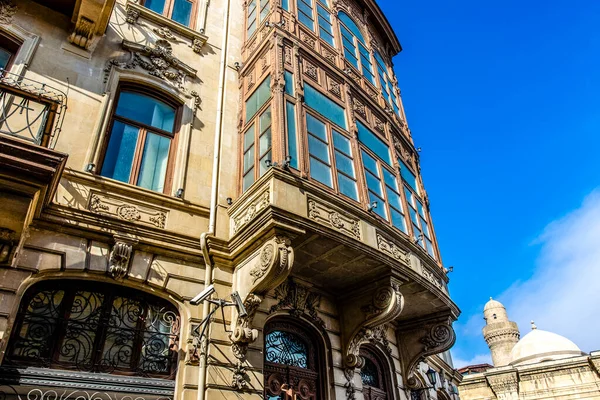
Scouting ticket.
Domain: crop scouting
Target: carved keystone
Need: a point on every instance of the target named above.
(118, 260)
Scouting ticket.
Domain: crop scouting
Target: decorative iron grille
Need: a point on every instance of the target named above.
(31, 110)
(99, 328)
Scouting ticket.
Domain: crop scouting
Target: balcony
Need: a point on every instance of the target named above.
(31, 117)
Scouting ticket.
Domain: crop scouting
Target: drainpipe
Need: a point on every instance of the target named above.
(202, 367)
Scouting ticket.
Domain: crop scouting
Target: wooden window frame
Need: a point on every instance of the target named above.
(10, 44)
(358, 55)
(143, 131)
(259, 7)
(168, 12)
(330, 126)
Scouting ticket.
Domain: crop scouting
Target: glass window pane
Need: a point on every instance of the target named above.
(154, 162)
(248, 179)
(320, 172)
(398, 220)
(420, 208)
(409, 196)
(413, 217)
(155, 5)
(346, 20)
(326, 36)
(344, 164)
(286, 348)
(120, 151)
(265, 120)
(291, 130)
(182, 12)
(318, 149)
(264, 4)
(350, 57)
(316, 127)
(263, 165)
(347, 186)
(374, 184)
(324, 106)
(249, 158)
(285, 4)
(394, 199)
(342, 143)
(430, 248)
(306, 21)
(249, 137)
(380, 209)
(375, 144)
(146, 110)
(289, 83)
(390, 179)
(264, 142)
(258, 98)
(425, 227)
(409, 177)
(369, 163)
(4, 57)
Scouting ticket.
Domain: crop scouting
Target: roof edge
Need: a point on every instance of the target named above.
(384, 26)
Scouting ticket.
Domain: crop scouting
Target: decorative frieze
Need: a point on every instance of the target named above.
(297, 300)
(329, 216)
(430, 276)
(328, 54)
(334, 87)
(391, 249)
(114, 206)
(164, 33)
(310, 70)
(307, 39)
(247, 214)
(359, 108)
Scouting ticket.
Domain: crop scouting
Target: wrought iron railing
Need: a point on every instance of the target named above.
(31, 110)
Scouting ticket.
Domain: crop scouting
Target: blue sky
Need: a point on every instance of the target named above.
(502, 97)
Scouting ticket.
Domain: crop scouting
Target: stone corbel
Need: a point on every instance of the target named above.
(422, 338)
(91, 20)
(365, 316)
(119, 257)
(266, 271)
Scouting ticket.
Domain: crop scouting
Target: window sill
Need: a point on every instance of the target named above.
(135, 11)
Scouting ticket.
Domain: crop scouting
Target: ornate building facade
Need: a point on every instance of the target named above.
(256, 153)
(541, 365)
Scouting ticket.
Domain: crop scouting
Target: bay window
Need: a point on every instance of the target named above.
(355, 47)
(385, 82)
(140, 146)
(257, 13)
(181, 11)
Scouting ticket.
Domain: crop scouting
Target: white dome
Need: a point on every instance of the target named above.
(492, 304)
(539, 345)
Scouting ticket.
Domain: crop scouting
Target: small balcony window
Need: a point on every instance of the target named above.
(140, 147)
(181, 11)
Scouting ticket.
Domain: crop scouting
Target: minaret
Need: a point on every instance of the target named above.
(500, 334)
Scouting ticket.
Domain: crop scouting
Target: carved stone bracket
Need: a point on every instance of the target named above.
(8, 238)
(264, 272)
(349, 385)
(91, 20)
(422, 338)
(158, 60)
(364, 317)
(118, 260)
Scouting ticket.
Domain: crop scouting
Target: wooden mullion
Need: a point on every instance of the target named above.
(168, 10)
(137, 158)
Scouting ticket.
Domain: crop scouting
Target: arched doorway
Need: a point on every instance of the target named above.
(292, 361)
(374, 375)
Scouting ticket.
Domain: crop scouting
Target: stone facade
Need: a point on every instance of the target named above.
(90, 264)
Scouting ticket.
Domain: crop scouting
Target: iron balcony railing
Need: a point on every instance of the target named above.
(31, 110)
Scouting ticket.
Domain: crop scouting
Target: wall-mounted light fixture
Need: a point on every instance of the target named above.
(90, 167)
(372, 206)
(229, 201)
(179, 193)
(237, 65)
(288, 160)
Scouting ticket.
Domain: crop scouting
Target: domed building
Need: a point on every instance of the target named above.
(540, 365)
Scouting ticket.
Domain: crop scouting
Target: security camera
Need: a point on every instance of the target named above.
(205, 294)
(239, 304)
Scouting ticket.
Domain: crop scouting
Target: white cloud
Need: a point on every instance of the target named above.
(563, 294)
(477, 359)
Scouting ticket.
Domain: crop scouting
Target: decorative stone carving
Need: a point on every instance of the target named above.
(278, 249)
(329, 216)
(329, 55)
(118, 261)
(132, 16)
(158, 60)
(306, 38)
(91, 20)
(420, 338)
(243, 334)
(7, 243)
(83, 33)
(164, 33)
(359, 107)
(197, 44)
(335, 88)
(239, 380)
(431, 277)
(197, 100)
(251, 211)
(353, 75)
(505, 386)
(297, 300)
(390, 248)
(311, 70)
(7, 10)
(379, 124)
(126, 210)
(349, 385)
(377, 335)
(287, 55)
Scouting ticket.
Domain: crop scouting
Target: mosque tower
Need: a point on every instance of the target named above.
(500, 334)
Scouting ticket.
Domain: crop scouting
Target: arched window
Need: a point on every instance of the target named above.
(355, 47)
(95, 327)
(140, 148)
(292, 359)
(373, 375)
